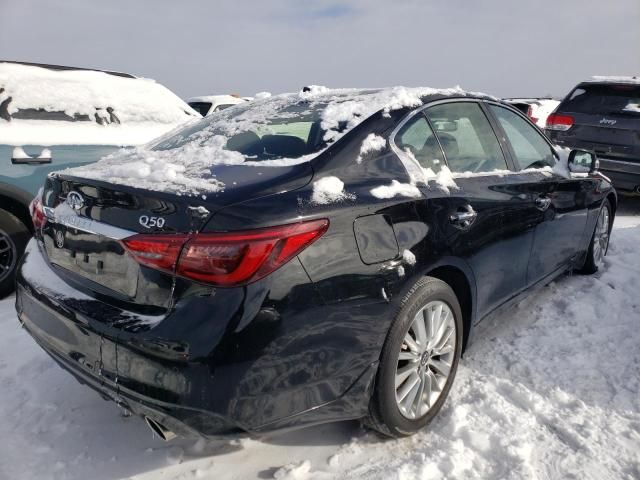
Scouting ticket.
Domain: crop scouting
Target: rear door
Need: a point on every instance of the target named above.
(473, 212)
(557, 204)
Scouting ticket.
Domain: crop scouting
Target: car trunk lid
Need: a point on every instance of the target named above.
(87, 219)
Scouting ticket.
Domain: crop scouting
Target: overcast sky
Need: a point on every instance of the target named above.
(197, 47)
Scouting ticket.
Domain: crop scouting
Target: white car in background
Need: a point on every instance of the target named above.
(208, 104)
(537, 109)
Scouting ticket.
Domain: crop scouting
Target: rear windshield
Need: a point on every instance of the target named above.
(259, 132)
(604, 99)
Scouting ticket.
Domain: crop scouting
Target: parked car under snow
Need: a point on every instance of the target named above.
(52, 117)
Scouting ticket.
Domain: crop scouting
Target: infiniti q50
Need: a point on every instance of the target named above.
(304, 258)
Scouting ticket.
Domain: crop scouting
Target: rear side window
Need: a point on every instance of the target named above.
(417, 138)
(603, 100)
(201, 107)
(529, 148)
(468, 141)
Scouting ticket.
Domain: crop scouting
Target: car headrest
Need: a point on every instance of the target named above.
(247, 143)
(286, 146)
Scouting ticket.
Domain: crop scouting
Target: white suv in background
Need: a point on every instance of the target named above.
(214, 103)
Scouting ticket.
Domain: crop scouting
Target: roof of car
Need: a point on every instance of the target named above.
(635, 80)
(64, 67)
(217, 99)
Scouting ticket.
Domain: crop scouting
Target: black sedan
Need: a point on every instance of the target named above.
(304, 258)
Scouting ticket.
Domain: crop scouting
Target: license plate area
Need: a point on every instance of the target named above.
(93, 256)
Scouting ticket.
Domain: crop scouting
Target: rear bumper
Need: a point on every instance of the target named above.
(281, 371)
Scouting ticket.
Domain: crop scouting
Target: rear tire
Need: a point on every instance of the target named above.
(417, 355)
(14, 236)
(599, 240)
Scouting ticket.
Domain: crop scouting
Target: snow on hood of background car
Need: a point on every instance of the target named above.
(91, 107)
(183, 162)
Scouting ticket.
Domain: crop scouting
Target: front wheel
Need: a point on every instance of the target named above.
(419, 360)
(599, 241)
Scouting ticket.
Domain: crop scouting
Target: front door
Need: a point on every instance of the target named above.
(488, 222)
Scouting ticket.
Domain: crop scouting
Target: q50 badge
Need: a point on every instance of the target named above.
(151, 222)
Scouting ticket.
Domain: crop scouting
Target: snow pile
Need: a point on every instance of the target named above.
(534, 397)
(616, 79)
(261, 95)
(372, 143)
(133, 110)
(162, 171)
(329, 190)
(396, 189)
(408, 257)
(443, 179)
(293, 471)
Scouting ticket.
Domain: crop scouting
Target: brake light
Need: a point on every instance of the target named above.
(225, 259)
(38, 217)
(559, 122)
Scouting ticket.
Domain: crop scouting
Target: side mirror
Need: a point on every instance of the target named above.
(583, 161)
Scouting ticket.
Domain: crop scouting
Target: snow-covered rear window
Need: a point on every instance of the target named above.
(262, 132)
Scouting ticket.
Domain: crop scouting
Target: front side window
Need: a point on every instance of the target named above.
(417, 138)
(529, 147)
(466, 136)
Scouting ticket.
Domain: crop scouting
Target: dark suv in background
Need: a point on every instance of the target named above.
(603, 115)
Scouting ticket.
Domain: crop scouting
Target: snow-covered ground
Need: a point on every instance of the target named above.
(550, 389)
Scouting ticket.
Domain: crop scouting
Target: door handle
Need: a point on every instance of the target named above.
(30, 161)
(464, 217)
(542, 203)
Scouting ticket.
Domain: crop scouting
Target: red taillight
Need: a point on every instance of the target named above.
(37, 213)
(156, 251)
(559, 122)
(225, 259)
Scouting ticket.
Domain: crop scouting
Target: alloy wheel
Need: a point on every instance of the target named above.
(425, 359)
(601, 236)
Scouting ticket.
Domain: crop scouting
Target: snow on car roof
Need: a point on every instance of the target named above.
(614, 79)
(182, 163)
(83, 97)
(217, 99)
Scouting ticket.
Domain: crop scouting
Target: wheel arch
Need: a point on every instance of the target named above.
(613, 201)
(16, 202)
(460, 278)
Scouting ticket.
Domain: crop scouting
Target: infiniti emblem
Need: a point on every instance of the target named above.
(59, 239)
(75, 200)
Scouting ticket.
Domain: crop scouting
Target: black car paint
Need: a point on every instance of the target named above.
(300, 346)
